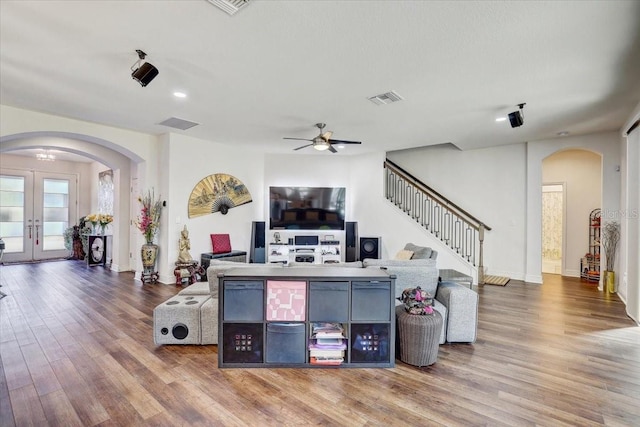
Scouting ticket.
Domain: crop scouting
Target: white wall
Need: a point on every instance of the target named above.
(489, 184)
(580, 172)
(185, 161)
(607, 144)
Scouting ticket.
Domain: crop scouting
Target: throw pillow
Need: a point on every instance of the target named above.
(404, 255)
(419, 252)
(221, 243)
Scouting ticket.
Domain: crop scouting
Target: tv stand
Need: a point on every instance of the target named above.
(325, 250)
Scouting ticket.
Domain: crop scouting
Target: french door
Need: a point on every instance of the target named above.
(35, 210)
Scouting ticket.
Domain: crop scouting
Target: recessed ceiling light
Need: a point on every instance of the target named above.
(563, 133)
(179, 94)
(501, 119)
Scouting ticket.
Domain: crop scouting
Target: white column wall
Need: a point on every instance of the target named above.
(629, 261)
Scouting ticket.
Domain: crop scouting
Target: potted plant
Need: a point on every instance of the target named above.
(610, 240)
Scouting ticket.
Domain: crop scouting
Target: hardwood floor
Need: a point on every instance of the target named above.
(76, 349)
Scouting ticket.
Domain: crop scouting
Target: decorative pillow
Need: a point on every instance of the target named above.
(404, 255)
(419, 252)
(221, 243)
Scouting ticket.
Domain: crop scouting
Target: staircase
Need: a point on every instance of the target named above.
(452, 225)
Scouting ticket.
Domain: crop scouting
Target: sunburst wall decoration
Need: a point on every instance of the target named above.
(217, 193)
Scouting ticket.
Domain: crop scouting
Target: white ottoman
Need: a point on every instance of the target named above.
(177, 320)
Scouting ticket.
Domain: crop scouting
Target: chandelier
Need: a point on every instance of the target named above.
(46, 156)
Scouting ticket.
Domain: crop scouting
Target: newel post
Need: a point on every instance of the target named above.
(480, 263)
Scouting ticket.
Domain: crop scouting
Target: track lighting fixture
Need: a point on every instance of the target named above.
(143, 72)
(517, 117)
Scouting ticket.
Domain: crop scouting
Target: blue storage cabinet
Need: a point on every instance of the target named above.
(286, 342)
(244, 300)
(329, 301)
(360, 299)
(370, 301)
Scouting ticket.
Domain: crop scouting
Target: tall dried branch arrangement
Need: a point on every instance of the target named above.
(610, 240)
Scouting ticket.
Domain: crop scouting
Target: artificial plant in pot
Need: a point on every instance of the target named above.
(148, 223)
(610, 240)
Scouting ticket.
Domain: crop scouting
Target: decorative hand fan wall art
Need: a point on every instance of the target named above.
(217, 193)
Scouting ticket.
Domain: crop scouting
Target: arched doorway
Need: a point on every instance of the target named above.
(573, 180)
(103, 153)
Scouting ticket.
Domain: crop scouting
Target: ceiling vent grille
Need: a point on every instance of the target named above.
(174, 122)
(386, 98)
(229, 6)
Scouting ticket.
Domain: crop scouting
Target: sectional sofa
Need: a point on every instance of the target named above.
(457, 304)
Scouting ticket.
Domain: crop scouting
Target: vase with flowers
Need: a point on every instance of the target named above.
(104, 220)
(148, 222)
(93, 219)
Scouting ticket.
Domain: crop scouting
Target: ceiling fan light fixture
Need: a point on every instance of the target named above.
(321, 146)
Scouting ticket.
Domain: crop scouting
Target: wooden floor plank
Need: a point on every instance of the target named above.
(76, 348)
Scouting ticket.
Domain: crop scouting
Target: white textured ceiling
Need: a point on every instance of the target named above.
(277, 67)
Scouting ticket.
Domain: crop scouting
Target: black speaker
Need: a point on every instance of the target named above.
(370, 247)
(351, 241)
(258, 247)
(144, 74)
(516, 119)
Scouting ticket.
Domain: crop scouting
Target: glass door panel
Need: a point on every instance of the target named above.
(35, 209)
(16, 211)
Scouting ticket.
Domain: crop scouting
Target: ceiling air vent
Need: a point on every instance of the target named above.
(174, 122)
(386, 98)
(229, 6)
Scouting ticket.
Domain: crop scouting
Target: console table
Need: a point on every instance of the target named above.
(273, 317)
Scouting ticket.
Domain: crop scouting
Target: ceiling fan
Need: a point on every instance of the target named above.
(323, 141)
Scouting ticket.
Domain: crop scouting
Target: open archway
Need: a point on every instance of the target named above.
(572, 188)
(121, 161)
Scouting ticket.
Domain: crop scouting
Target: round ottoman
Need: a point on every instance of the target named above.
(418, 337)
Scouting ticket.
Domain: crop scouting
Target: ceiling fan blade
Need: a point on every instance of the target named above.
(339, 141)
(333, 150)
(304, 146)
(299, 139)
(326, 135)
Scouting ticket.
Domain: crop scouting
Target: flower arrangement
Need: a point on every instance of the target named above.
(148, 221)
(99, 219)
(93, 219)
(105, 219)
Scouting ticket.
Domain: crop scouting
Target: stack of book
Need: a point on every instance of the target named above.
(327, 344)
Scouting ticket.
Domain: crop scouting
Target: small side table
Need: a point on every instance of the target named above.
(418, 336)
(186, 272)
(450, 275)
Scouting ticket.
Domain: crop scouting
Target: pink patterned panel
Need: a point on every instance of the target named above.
(286, 300)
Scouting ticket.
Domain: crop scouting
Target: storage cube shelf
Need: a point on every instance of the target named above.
(275, 317)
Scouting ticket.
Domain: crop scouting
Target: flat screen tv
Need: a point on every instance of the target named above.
(306, 208)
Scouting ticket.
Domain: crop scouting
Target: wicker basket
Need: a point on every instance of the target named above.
(418, 336)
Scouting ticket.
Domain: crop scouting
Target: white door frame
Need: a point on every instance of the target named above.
(564, 222)
(33, 220)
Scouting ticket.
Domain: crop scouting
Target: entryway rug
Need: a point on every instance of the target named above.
(496, 280)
